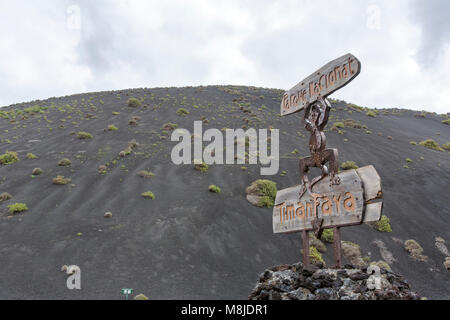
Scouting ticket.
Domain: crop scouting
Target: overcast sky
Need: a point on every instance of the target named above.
(59, 47)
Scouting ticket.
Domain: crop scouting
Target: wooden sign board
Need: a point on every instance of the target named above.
(352, 202)
(331, 77)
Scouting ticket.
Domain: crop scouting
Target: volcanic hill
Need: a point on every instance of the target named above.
(100, 152)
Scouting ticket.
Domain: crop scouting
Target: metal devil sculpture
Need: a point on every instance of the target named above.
(333, 199)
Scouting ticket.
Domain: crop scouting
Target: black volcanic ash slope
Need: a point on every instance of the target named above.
(188, 242)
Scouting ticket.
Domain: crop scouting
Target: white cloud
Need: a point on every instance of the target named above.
(132, 43)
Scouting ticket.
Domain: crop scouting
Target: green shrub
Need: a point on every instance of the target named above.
(268, 191)
(37, 172)
(431, 144)
(148, 195)
(9, 157)
(145, 174)
(352, 244)
(266, 201)
(446, 146)
(125, 152)
(371, 114)
(356, 107)
(328, 235)
(409, 160)
(31, 156)
(381, 264)
(349, 165)
(102, 169)
(111, 127)
(420, 115)
(182, 112)
(64, 162)
(84, 135)
(140, 297)
(316, 243)
(169, 126)
(133, 144)
(17, 208)
(214, 188)
(412, 245)
(315, 256)
(203, 167)
(134, 103)
(35, 109)
(262, 193)
(339, 125)
(415, 250)
(383, 225)
(351, 123)
(446, 121)
(413, 143)
(267, 188)
(60, 180)
(5, 196)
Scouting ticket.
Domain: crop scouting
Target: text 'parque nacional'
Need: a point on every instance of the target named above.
(325, 81)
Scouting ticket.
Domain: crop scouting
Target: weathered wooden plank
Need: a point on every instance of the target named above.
(331, 77)
(371, 182)
(349, 179)
(372, 212)
(337, 205)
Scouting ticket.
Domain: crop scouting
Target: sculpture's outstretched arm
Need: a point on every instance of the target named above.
(325, 108)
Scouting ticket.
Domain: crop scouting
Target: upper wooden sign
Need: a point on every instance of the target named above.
(356, 200)
(331, 77)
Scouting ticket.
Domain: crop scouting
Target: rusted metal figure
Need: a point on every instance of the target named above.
(310, 94)
(315, 119)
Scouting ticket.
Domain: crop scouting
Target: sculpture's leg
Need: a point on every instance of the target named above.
(332, 156)
(324, 174)
(318, 221)
(304, 165)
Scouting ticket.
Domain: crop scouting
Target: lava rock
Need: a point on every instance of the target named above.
(309, 270)
(265, 275)
(356, 276)
(298, 282)
(325, 294)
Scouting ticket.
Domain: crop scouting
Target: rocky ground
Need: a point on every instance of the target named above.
(314, 282)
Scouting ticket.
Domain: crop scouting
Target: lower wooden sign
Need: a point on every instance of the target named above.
(356, 200)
